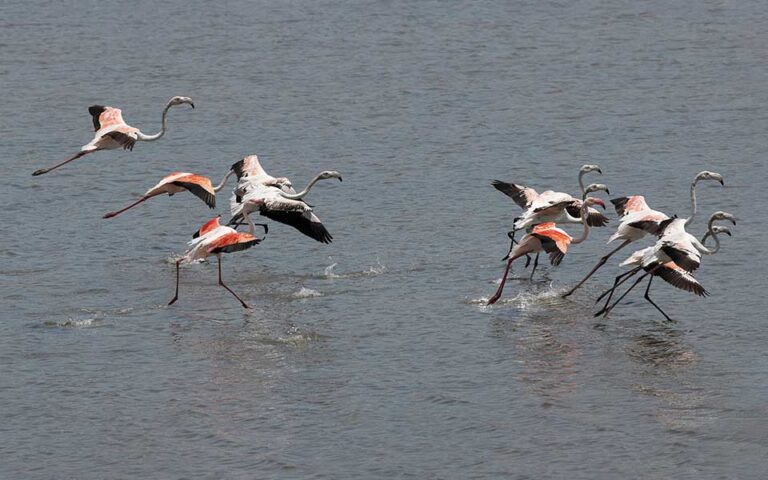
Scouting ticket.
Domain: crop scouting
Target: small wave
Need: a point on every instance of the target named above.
(71, 323)
(307, 293)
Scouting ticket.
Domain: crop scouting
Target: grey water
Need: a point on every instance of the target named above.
(374, 357)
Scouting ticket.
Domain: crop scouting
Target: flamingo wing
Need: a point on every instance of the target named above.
(126, 141)
(248, 166)
(678, 278)
(304, 221)
(207, 227)
(553, 240)
(594, 217)
(522, 196)
(233, 242)
(685, 259)
(104, 117)
(199, 186)
(626, 205)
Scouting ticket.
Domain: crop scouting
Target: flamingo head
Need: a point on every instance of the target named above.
(707, 175)
(595, 187)
(590, 201)
(590, 168)
(720, 215)
(180, 101)
(329, 174)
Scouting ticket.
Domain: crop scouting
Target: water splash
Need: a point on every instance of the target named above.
(307, 293)
(71, 323)
(377, 269)
(328, 272)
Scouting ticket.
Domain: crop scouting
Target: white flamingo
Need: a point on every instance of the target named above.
(637, 220)
(112, 132)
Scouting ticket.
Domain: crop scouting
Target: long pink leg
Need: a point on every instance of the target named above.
(221, 282)
(114, 214)
(75, 157)
(176, 296)
(497, 295)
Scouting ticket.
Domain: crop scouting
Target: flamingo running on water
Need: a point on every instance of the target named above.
(638, 220)
(673, 258)
(546, 237)
(176, 182)
(112, 132)
(214, 239)
(276, 199)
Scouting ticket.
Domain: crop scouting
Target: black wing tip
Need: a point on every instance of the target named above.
(237, 167)
(619, 204)
(598, 220)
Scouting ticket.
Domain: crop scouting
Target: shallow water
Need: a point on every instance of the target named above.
(374, 357)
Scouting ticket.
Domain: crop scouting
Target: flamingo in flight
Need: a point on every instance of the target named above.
(674, 258)
(546, 237)
(177, 182)
(276, 199)
(551, 206)
(214, 239)
(637, 220)
(112, 132)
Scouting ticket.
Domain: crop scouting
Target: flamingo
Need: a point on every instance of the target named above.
(112, 132)
(673, 258)
(546, 237)
(176, 182)
(637, 220)
(214, 239)
(275, 198)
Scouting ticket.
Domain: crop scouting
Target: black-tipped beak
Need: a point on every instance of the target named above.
(733, 220)
(607, 192)
(722, 182)
(191, 104)
(728, 233)
(599, 171)
(340, 179)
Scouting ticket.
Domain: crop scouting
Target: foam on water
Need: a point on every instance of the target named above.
(305, 292)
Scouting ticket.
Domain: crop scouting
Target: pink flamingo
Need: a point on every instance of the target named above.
(546, 237)
(214, 239)
(112, 132)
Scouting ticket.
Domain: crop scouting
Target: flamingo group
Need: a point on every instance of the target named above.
(256, 191)
(674, 257)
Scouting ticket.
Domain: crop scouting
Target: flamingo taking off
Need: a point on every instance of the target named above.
(276, 199)
(176, 182)
(214, 239)
(546, 237)
(638, 220)
(112, 132)
(673, 258)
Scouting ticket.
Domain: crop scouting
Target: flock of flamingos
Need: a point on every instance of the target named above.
(674, 256)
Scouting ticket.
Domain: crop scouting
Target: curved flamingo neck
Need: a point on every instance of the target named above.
(158, 135)
(301, 194)
(223, 181)
(713, 234)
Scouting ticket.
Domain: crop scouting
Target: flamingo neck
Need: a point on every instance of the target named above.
(581, 185)
(713, 234)
(158, 135)
(223, 181)
(301, 194)
(693, 204)
(585, 232)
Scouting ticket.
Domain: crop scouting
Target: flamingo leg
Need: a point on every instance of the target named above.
(620, 279)
(535, 264)
(605, 311)
(221, 282)
(74, 157)
(647, 297)
(497, 295)
(600, 263)
(118, 212)
(176, 296)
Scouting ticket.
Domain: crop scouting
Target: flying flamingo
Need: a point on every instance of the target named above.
(638, 220)
(215, 239)
(176, 182)
(275, 198)
(546, 237)
(673, 258)
(112, 132)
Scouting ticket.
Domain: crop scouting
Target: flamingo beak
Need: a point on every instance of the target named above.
(192, 105)
(599, 171)
(600, 202)
(722, 182)
(340, 179)
(728, 232)
(607, 192)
